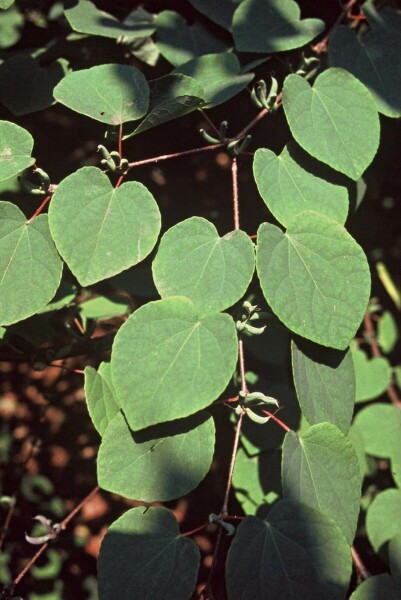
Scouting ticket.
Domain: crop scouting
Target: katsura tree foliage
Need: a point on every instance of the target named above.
(203, 301)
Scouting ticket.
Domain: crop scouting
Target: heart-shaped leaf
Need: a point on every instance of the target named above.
(100, 400)
(154, 560)
(218, 74)
(220, 12)
(179, 42)
(288, 188)
(25, 86)
(372, 376)
(11, 24)
(387, 332)
(15, 150)
(85, 17)
(188, 360)
(315, 278)
(321, 469)
(380, 440)
(30, 268)
(269, 26)
(159, 463)
(335, 120)
(99, 230)
(111, 94)
(296, 552)
(383, 520)
(193, 261)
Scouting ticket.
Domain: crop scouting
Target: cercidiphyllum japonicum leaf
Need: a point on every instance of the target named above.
(288, 189)
(335, 120)
(257, 481)
(85, 17)
(168, 363)
(387, 332)
(15, 150)
(112, 94)
(383, 519)
(325, 384)
(379, 587)
(296, 552)
(269, 26)
(102, 406)
(394, 551)
(373, 58)
(219, 12)
(372, 376)
(193, 261)
(218, 74)
(356, 438)
(320, 469)
(25, 86)
(11, 24)
(159, 463)
(4, 4)
(380, 425)
(143, 556)
(179, 42)
(396, 465)
(102, 308)
(273, 345)
(100, 230)
(171, 96)
(30, 268)
(315, 278)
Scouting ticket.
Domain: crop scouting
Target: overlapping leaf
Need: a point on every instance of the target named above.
(15, 150)
(380, 426)
(143, 555)
(325, 384)
(297, 553)
(112, 94)
(378, 587)
(288, 188)
(11, 24)
(30, 268)
(100, 400)
(193, 261)
(161, 463)
(320, 469)
(335, 120)
(269, 26)
(387, 332)
(219, 12)
(99, 230)
(315, 278)
(383, 520)
(372, 376)
(188, 361)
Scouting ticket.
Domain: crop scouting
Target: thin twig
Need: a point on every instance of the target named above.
(156, 159)
(277, 420)
(361, 570)
(212, 125)
(7, 522)
(322, 45)
(234, 173)
(41, 207)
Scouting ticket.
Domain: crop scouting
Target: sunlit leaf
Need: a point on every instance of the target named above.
(372, 375)
(15, 150)
(383, 520)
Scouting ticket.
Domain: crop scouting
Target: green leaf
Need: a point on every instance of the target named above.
(105, 307)
(4, 4)
(270, 26)
(112, 94)
(137, 281)
(171, 96)
(220, 12)
(85, 17)
(383, 520)
(379, 587)
(30, 268)
(396, 465)
(257, 481)
(160, 463)
(374, 59)
(288, 188)
(273, 345)
(102, 406)
(100, 230)
(358, 443)
(387, 332)
(297, 553)
(193, 261)
(15, 150)
(11, 24)
(372, 375)
(25, 86)
(51, 569)
(380, 426)
(218, 74)
(320, 469)
(143, 555)
(394, 550)
(325, 384)
(179, 42)
(315, 278)
(335, 120)
(188, 361)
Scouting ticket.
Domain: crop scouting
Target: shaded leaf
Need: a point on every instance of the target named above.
(315, 278)
(105, 307)
(220, 12)
(320, 468)
(143, 555)
(193, 261)
(335, 120)
(383, 519)
(15, 150)
(394, 551)
(269, 26)
(112, 94)
(100, 230)
(30, 268)
(372, 375)
(380, 425)
(160, 463)
(379, 587)
(188, 361)
(102, 406)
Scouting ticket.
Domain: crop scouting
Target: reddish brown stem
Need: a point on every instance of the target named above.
(120, 141)
(41, 207)
(361, 570)
(277, 420)
(322, 45)
(6, 525)
(234, 174)
(156, 159)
